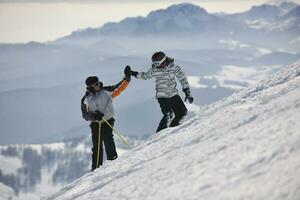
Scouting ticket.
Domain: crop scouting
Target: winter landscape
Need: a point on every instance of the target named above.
(239, 141)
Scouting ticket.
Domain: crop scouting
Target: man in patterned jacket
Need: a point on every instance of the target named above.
(165, 71)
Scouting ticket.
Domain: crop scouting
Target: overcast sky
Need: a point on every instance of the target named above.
(44, 20)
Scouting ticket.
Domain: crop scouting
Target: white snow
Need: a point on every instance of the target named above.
(297, 40)
(232, 77)
(6, 193)
(242, 147)
(238, 77)
(194, 82)
(82, 148)
(55, 146)
(236, 72)
(264, 51)
(10, 165)
(43, 189)
(233, 44)
(277, 25)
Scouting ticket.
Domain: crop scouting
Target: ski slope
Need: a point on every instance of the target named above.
(246, 146)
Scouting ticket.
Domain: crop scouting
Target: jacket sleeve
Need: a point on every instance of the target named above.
(145, 75)
(120, 87)
(112, 88)
(88, 116)
(181, 77)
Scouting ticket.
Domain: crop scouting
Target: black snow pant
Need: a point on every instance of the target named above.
(169, 106)
(106, 136)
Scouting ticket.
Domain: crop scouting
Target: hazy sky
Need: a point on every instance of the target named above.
(44, 20)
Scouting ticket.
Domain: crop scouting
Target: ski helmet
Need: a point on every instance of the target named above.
(158, 58)
(91, 80)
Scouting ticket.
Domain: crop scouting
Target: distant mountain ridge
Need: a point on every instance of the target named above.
(284, 4)
(181, 18)
(192, 21)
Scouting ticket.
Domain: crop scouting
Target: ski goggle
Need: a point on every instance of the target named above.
(95, 84)
(158, 63)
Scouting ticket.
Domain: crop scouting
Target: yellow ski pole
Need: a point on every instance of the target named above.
(118, 134)
(98, 149)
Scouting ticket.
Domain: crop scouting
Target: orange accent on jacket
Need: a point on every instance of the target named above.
(122, 87)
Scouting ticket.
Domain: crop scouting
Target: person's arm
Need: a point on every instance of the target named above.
(89, 116)
(143, 75)
(184, 83)
(85, 114)
(121, 87)
(112, 88)
(181, 77)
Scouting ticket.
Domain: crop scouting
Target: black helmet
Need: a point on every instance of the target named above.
(158, 59)
(158, 56)
(91, 80)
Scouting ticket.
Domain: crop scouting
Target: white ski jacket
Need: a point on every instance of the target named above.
(102, 101)
(165, 79)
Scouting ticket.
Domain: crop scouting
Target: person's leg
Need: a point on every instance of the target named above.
(179, 109)
(108, 138)
(95, 139)
(167, 113)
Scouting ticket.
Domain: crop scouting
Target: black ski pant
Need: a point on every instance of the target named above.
(106, 137)
(169, 106)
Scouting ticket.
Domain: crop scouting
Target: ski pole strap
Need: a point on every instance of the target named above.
(118, 134)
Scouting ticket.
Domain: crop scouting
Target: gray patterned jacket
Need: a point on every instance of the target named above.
(165, 79)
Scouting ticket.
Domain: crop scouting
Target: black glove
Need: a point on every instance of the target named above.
(97, 115)
(134, 73)
(127, 71)
(188, 95)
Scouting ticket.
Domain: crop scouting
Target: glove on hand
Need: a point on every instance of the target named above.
(188, 95)
(134, 73)
(97, 115)
(127, 71)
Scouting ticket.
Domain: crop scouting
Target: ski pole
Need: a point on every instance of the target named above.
(118, 134)
(98, 149)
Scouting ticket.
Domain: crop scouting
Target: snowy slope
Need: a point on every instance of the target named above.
(6, 193)
(242, 147)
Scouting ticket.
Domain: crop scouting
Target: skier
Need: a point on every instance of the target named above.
(165, 70)
(98, 100)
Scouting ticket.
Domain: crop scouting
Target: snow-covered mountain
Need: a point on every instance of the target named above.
(183, 18)
(187, 18)
(269, 16)
(244, 146)
(287, 23)
(286, 5)
(264, 11)
(197, 28)
(6, 193)
(295, 12)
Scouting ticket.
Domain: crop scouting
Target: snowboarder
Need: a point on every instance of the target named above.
(165, 70)
(98, 100)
